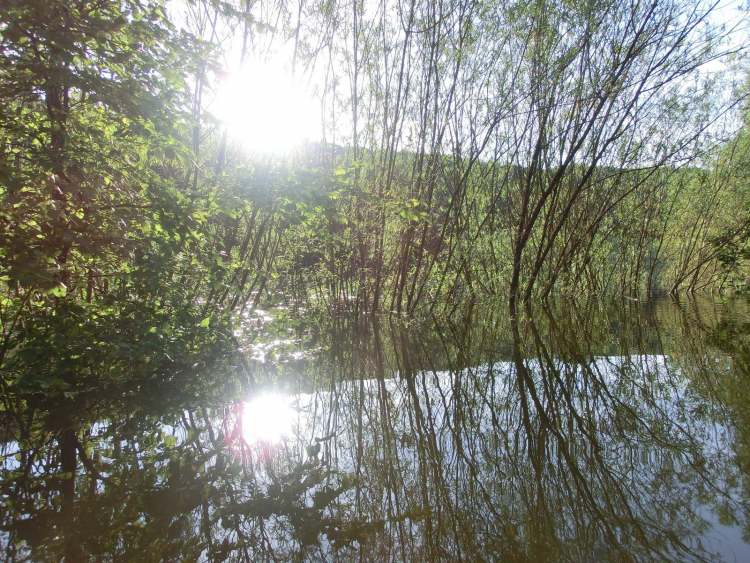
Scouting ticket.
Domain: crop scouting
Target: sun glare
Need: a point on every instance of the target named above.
(267, 419)
(266, 109)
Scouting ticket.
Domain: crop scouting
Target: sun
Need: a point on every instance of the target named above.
(267, 419)
(266, 109)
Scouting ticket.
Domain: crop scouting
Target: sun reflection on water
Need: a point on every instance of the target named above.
(267, 419)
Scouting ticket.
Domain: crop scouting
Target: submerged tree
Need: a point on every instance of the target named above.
(503, 149)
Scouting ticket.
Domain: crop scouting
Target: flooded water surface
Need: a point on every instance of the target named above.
(599, 432)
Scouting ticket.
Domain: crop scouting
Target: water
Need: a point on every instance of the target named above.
(599, 432)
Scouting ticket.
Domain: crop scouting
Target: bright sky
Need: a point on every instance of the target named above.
(270, 111)
(267, 109)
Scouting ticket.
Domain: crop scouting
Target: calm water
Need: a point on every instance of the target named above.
(616, 432)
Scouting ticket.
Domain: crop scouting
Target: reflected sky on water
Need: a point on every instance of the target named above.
(599, 432)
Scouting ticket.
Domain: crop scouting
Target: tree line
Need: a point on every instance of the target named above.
(469, 150)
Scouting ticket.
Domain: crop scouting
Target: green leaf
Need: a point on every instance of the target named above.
(59, 291)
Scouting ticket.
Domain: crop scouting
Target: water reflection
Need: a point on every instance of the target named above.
(595, 433)
(267, 419)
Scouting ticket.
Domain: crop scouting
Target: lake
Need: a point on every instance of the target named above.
(604, 431)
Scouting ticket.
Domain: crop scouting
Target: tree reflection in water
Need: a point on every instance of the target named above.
(576, 434)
